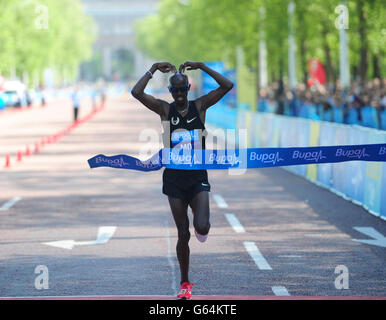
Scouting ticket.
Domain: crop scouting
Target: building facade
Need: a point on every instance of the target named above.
(115, 21)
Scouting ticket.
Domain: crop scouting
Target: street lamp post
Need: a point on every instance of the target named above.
(263, 74)
(291, 51)
(341, 23)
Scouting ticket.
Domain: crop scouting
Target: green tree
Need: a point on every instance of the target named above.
(212, 30)
(40, 34)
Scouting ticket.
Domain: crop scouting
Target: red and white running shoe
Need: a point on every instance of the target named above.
(185, 291)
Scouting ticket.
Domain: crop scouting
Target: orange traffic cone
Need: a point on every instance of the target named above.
(27, 152)
(7, 161)
(36, 148)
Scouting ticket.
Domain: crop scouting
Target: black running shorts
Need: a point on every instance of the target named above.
(184, 184)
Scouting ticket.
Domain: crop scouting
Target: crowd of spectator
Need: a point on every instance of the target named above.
(359, 105)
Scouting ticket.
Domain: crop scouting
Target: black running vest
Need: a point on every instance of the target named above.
(185, 131)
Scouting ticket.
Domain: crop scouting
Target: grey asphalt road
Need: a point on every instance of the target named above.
(298, 233)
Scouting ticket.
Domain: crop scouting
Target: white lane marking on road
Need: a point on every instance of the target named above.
(235, 223)
(9, 203)
(220, 201)
(257, 256)
(290, 256)
(378, 238)
(104, 235)
(280, 291)
(170, 259)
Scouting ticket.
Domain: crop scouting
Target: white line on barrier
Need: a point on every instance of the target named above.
(9, 204)
(280, 291)
(257, 256)
(220, 201)
(235, 223)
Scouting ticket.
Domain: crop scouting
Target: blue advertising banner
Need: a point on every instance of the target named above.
(230, 98)
(383, 193)
(338, 170)
(221, 114)
(256, 127)
(208, 83)
(291, 138)
(183, 158)
(270, 132)
(326, 138)
(373, 180)
(265, 130)
(300, 136)
(356, 170)
(285, 140)
(362, 181)
(230, 117)
(242, 120)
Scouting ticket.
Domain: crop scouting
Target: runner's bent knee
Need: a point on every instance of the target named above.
(202, 227)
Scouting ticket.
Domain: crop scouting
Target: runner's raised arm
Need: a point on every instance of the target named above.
(157, 105)
(208, 100)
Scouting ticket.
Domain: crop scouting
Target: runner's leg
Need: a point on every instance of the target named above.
(200, 207)
(179, 209)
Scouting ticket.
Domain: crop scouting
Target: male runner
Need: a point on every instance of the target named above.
(184, 187)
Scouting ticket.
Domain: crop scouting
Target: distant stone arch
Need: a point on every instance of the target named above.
(115, 44)
(123, 64)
